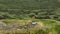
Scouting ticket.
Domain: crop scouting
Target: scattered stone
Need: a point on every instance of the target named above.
(17, 26)
(44, 29)
(9, 26)
(2, 24)
(25, 26)
(20, 27)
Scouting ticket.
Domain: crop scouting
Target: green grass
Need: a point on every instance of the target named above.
(47, 21)
(53, 26)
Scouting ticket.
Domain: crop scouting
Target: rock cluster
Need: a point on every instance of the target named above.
(4, 26)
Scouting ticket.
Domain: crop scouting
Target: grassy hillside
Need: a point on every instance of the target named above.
(44, 26)
(15, 16)
(25, 8)
(27, 4)
(19, 3)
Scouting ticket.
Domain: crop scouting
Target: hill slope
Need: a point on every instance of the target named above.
(25, 8)
(27, 4)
